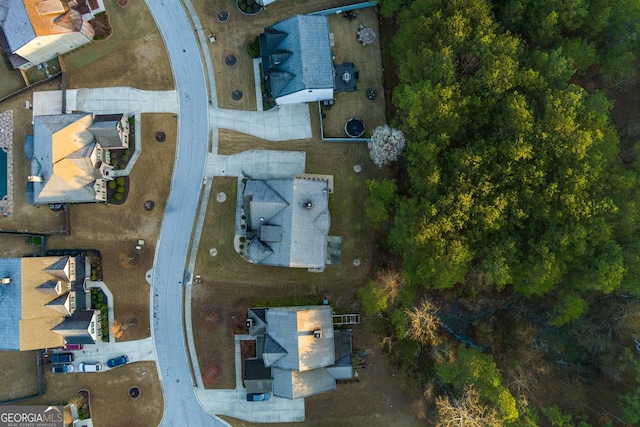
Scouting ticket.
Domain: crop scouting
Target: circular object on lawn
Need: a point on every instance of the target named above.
(134, 392)
(357, 168)
(230, 60)
(160, 136)
(149, 205)
(221, 197)
(213, 252)
(356, 262)
(223, 15)
(236, 95)
(354, 128)
(123, 3)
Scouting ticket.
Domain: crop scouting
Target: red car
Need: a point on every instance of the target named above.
(73, 347)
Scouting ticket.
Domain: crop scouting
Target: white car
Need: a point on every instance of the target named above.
(89, 367)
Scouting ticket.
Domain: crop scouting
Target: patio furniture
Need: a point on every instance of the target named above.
(372, 93)
(346, 76)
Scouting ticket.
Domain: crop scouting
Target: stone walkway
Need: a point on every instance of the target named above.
(6, 144)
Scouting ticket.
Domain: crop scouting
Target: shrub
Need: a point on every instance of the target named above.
(120, 180)
(120, 190)
(111, 185)
(118, 196)
(112, 200)
(242, 239)
(254, 47)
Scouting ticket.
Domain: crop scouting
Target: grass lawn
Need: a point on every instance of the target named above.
(20, 370)
(115, 229)
(110, 403)
(10, 79)
(134, 54)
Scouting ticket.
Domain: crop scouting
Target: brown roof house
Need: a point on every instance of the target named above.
(287, 222)
(44, 303)
(70, 156)
(35, 31)
(298, 352)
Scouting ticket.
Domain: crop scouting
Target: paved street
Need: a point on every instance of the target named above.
(181, 406)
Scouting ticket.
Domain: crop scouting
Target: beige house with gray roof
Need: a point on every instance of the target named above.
(70, 157)
(43, 303)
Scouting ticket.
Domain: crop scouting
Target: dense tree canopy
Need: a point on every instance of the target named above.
(512, 168)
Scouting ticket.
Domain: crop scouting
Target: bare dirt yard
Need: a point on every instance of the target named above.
(19, 368)
(115, 229)
(133, 55)
(110, 403)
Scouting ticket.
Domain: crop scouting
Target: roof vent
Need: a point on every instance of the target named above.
(317, 333)
(309, 204)
(34, 178)
(5, 280)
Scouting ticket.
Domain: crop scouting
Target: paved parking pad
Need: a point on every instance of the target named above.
(257, 163)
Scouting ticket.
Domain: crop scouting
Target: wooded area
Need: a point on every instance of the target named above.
(511, 274)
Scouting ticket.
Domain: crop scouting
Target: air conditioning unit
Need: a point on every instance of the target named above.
(5, 280)
(249, 323)
(317, 333)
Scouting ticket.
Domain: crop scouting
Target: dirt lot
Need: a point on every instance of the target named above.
(114, 230)
(14, 246)
(133, 55)
(110, 387)
(20, 370)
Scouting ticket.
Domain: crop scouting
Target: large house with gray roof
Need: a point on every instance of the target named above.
(297, 62)
(299, 354)
(70, 157)
(35, 31)
(44, 303)
(287, 221)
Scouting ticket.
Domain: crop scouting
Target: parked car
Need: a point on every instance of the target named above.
(62, 369)
(117, 361)
(258, 397)
(62, 357)
(89, 367)
(73, 347)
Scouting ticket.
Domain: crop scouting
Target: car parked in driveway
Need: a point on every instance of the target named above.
(62, 357)
(258, 397)
(73, 347)
(62, 369)
(117, 361)
(89, 367)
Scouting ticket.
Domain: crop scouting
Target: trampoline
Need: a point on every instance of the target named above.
(354, 128)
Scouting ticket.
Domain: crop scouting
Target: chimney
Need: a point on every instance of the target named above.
(34, 178)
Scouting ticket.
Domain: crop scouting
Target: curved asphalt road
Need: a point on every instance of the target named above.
(181, 407)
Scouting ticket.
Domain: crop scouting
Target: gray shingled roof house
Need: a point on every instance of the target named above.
(297, 62)
(43, 303)
(35, 31)
(287, 222)
(70, 157)
(298, 352)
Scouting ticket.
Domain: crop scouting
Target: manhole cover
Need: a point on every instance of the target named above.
(236, 95)
(230, 60)
(160, 136)
(221, 197)
(223, 16)
(149, 204)
(134, 392)
(213, 252)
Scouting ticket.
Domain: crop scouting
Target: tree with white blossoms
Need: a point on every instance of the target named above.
(386, 145)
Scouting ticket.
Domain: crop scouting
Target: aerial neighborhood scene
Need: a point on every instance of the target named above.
(333, 213)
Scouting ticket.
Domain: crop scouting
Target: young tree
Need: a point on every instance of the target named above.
(386, 145)
(118, 329)
(466, 410)
(424, 323)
